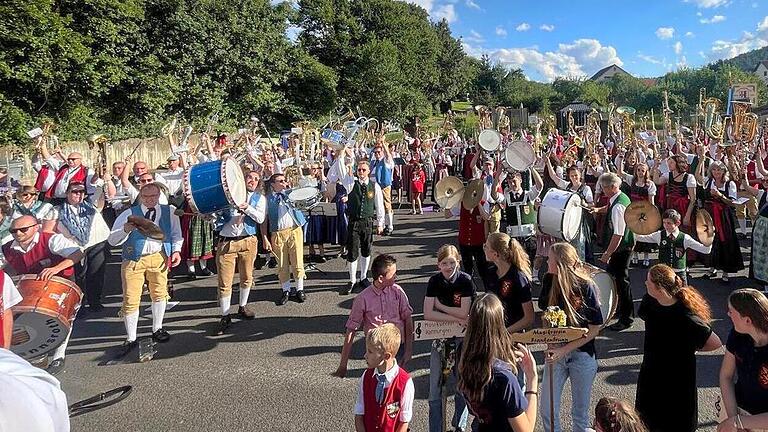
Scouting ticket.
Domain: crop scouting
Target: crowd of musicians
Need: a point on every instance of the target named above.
(66, 224)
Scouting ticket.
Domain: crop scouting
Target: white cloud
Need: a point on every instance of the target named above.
(501, 32)
(472, 5)
(678, 47)
(707, 3)
(683, 62)
(523, 27)
(689, 34)
(763, 25)
(725, 49)
(649, 59)
(580, 58)
(437, 12)
(547, 27)
(714, 20)
(474, 37)
(446, 11)
(665, 32)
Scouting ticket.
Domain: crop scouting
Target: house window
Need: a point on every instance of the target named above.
(765, 73)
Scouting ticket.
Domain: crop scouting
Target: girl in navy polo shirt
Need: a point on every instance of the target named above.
(449, 296)
(513, 280)
(488, 369)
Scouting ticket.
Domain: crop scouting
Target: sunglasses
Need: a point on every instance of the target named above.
(22, 230)
(26, 194)
(72, 159)
(146, 181)
(78, 192)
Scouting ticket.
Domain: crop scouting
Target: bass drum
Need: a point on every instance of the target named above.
(215, 185)
(519, 155)
(607, 293)
(560, 214)
(44, 317)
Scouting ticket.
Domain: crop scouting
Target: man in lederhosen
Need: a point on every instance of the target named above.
(238, 246)
(365, 202)
(146, 259)
(620, 241)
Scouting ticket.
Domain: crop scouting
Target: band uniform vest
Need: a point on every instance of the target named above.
(361, 201)
(672, 252)
(36, 259)
(134, 245)
(383, 416)
(628, 239)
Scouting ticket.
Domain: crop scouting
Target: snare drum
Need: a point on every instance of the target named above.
(44, 317)
(215, 185)
(304, 198)
(333, 137)
(560, 214)
(607, 293)
(524, 214)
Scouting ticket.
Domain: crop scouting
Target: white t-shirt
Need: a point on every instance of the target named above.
(31, 399)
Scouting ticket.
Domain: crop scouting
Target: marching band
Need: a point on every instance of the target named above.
(530, 208)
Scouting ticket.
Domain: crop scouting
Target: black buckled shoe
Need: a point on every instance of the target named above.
(620, 325)
(347, 289)
(284, 299)
(206, 272)
(300, 296)
(126, 348)
(55, 366)
(224, 324)
(272, 262)
(161, 335)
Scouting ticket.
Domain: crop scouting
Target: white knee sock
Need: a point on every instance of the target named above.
(365, 262)
(743, 225)
(390, 220)
(224, 303)
(61, 349)
(353, 271)
(158, 312)
(299, 284)
(287, 285)
(203, 263)
(244, 293)
(131, 321)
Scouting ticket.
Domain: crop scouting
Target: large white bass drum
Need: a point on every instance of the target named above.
(560, 214)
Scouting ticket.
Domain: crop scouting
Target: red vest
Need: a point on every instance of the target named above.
(36, 259)
(471, 232)
(384, 416)
(78, 177)
(42, 175)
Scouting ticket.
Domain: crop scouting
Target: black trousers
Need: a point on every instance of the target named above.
(618, 267)
(89, 273)
(472, 256)
(359, 239)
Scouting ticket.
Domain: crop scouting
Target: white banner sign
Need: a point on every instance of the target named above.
(428, 330)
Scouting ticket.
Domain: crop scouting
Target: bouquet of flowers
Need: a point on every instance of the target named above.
(555, 316)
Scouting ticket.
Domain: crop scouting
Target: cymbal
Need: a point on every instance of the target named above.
(705, 227)
(642, 217)
(473, 193)
(449, 191)
(147, 227)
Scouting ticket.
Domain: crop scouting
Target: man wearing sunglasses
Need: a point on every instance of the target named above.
(45, 254)
(365, 205)
(286, 238)
(146, 259)
(67, 171)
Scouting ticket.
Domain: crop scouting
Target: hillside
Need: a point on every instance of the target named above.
(747, 61)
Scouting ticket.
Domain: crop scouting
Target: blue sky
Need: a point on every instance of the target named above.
(551, 38)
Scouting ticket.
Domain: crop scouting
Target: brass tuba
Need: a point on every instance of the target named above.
(744, 123)
(714, 126)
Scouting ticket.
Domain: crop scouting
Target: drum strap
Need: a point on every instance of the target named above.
(101, 400)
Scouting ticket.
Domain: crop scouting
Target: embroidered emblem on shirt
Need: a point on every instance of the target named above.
(506, 286)
(457, 299)
(762, 376)
(393, 409)
(370, 194)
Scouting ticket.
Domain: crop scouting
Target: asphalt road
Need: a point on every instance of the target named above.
(273, 373)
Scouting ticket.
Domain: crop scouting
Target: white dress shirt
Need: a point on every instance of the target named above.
(118, 236)
(406, 402)
(11, 296)
(688, 241)
(617, 217)
(235, 227)
(57, 244)
(172, 179)
(349, 182)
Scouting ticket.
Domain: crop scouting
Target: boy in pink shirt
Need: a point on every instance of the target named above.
(382, 302)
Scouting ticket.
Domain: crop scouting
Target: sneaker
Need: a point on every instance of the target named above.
(347, 289)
